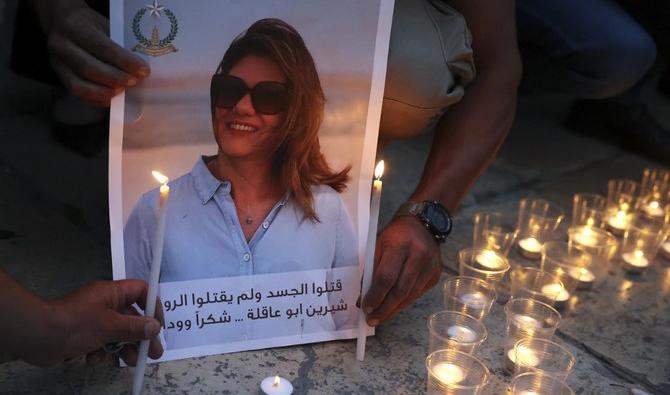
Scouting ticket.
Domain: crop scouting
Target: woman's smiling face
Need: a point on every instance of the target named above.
(240, 131)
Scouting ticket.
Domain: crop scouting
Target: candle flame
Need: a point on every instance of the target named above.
(654, 205)
(160, 177)
(379, 170)
(638, 254)
(276, 382)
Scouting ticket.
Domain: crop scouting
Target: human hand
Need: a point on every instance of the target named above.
(407, 264)
(88, 62)
(94, 315)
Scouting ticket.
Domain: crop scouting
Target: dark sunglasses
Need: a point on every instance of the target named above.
(267, 97)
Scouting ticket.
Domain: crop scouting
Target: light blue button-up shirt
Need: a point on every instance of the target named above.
(204, 239)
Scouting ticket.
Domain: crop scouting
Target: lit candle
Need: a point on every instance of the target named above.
(154, 275)
(523, 355)
(370, 254)
(586, 236)
(585, 278)
(461, 334)
(475, 300)
(524, 321)
(619, 222)
(665, 250)
(530, 248)
(448, 373)
(276, 386)
(635, 262)
(654, 209)
(558, 293)
(490, 259)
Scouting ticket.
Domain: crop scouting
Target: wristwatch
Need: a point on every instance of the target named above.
(433, 215)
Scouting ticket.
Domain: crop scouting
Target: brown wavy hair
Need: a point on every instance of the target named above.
(299, 156)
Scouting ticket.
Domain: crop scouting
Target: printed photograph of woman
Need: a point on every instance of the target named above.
(268, 201)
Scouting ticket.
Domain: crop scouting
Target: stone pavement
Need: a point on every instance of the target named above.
(619, 331)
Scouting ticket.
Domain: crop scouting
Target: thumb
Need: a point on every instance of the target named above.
(133, 328)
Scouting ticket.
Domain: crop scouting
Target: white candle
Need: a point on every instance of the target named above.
(524, 355)
(276, 386)
(448, 373)
(635, 262)
(370, 254)
(154, 275)
(475, 300)
(461, 334)
(654, 209)
(586, 236)
(530, 248)
(490, 259)
(524, 321)
(557, 292)
(585, 278)
(618, 222)
(665, 250)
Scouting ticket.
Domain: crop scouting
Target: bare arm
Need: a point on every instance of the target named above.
(469, 134)
(407, 258)
(46, 332)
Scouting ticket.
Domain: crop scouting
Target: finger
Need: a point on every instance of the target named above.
(159, 312)
(426, 281)
(88, 67)
(155, 348)
(129, 355)
(384, 278)
(106, 50)
(402, 289)
(125, 327)
(128, 292)
(86, 90)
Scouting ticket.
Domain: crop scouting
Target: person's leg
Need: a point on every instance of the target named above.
(594, 51)
(587, 49)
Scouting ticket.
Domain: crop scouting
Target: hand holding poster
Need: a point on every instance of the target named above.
(269, 138)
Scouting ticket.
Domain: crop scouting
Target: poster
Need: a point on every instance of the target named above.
(264, 116)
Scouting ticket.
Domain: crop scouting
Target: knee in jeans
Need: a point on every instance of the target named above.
(620, 63)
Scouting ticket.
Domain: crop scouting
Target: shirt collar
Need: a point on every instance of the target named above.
(206, 185)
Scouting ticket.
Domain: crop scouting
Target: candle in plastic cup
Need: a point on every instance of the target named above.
(469, 265)
(453, 330)
(529, 318)
(543, 355)
(456, 373)
(468, 295)
(527, 282)
(537, 220)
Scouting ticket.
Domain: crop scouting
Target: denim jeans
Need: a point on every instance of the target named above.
(584, 48)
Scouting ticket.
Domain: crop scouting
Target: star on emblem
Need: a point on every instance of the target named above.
(155, 8)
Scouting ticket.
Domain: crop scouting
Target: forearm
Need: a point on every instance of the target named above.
(468, 137)
(26, 319)
(469, 134)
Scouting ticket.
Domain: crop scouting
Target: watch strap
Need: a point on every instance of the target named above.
(410, 208)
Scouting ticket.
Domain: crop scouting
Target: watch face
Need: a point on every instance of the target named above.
(438, 217)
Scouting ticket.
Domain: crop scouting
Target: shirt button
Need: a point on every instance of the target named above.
(246, 257)
(266, 225)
